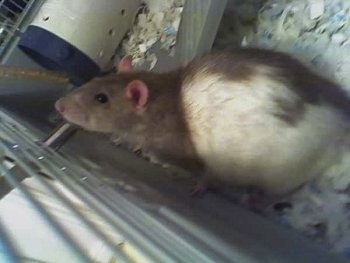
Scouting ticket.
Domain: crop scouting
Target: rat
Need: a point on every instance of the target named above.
(246, 117)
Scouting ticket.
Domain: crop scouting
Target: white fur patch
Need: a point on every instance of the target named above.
(240, 140)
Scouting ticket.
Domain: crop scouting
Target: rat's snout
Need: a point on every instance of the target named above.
(71, 111)
(59, 106)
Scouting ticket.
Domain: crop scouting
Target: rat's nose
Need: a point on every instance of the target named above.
(59, 107)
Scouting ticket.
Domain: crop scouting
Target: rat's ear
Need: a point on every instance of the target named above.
(125, 64)
(137, 92)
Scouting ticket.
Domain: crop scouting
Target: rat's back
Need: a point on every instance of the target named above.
(252, 121)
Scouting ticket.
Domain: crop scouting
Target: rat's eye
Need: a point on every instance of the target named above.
(101, 98)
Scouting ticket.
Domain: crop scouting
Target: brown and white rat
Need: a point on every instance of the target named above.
(248, 117)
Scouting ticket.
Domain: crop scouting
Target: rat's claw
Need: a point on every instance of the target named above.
(199, 189)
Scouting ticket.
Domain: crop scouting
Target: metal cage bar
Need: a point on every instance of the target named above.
(141, 228)
(80, 256)
(157, 243)
(12, 16)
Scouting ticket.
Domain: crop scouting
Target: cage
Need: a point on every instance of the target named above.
(90, 201)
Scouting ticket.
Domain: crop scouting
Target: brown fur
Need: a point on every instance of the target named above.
(239, 65)
(161, 132)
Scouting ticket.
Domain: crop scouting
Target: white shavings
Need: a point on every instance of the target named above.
(316, 8)
(309, 30)
(238, 21)
(321, 209)
(339, 38)
(244, 42)
(158, 22)
(152, 58)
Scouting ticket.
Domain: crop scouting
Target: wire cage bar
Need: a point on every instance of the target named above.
(12, 16)
(138, 230)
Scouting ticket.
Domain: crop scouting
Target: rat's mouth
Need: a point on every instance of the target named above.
(75, 118)
(73, 114)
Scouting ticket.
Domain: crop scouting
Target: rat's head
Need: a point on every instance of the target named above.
(101, 103)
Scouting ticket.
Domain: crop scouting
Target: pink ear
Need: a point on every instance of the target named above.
(137, 91)
(125, 64)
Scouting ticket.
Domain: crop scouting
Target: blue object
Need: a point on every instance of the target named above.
(54, 53)
(7, 252)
